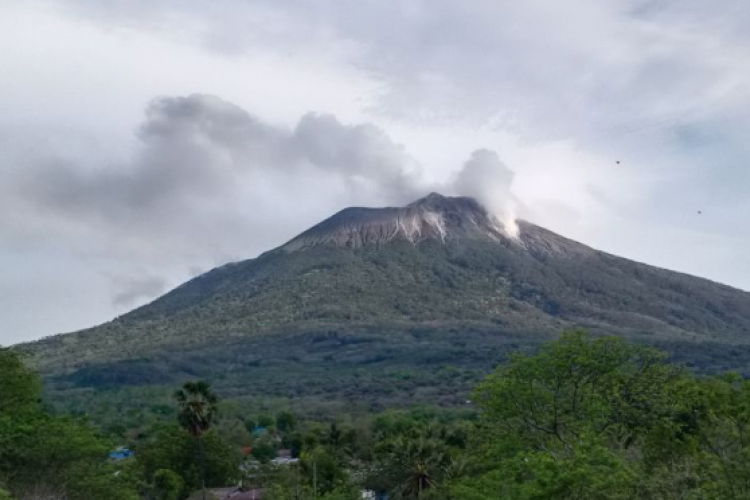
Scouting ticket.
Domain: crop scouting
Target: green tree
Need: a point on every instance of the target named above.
(725, 435)
(585, 418)
(323, 472)
(265, 421)
(69, 452)
(198, 408)
(264, 448)
(168, 485)
(412, 467)
(286, 421)
(21, 389)
(172, 448)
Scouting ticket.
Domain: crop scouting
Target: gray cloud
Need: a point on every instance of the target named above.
(198, 152)
(201, 161)
(132, 289)
(207, 178)
(544, 69)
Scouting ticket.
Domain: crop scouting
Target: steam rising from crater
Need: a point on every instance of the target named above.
(487, 179)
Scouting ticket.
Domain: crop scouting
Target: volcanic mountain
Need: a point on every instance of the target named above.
(437, 282)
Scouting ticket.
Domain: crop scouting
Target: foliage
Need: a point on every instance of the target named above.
(322, 470)
(197, 404)
(286, 421)
(585, 418)
(168, 485)
(174, 449)
(197, 407)
(724, 434)
(264, 449)
(598, 418)
(68, 451)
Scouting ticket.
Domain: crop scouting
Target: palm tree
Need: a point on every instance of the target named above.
(197, 413)
(416, 464)
(422, 462)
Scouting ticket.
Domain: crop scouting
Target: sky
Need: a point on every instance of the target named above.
(145, 142)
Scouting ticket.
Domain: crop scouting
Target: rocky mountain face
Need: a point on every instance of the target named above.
(437, 282)
(433, 217)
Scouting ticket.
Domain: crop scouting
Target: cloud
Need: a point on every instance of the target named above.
(199, 158)
(201, 163)
(553, 70)
(199, 152)
(209, 182)
(363, 154)
(130, 290)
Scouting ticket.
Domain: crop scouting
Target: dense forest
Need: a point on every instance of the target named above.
(584, 417)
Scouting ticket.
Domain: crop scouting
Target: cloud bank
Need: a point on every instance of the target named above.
(207, 179)
(200, 152)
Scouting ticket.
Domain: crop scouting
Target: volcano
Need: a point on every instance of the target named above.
(439, 282)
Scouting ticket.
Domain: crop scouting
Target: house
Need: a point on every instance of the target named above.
(259, 431)
(120, 453)
(284, 457)
(284, 461)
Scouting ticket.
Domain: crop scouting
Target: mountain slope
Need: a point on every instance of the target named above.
(437, 282)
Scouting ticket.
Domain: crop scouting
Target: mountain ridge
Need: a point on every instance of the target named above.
(437, 282)
(432, 217)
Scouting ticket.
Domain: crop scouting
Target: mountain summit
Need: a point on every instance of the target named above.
(439, 281)
(432, 217)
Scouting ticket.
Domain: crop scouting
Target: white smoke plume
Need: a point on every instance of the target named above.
(485, 177)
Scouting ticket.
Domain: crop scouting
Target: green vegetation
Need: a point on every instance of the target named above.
(585, 418)
(381, 305)
(197, 413)
(329, 328)
(171, 462)
(46, 456)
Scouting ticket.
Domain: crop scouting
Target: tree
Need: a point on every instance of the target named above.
(198, 408)
(323, 472)
(286, 421)
(21, 389)
(174, 449)
(70, 453)
(585, 418)
(725, 435)
(334, 440)
(265, 421)
(168, 485)
(411, 467)
(264, 449)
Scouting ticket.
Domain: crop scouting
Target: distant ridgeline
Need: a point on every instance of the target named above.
(393, 306)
